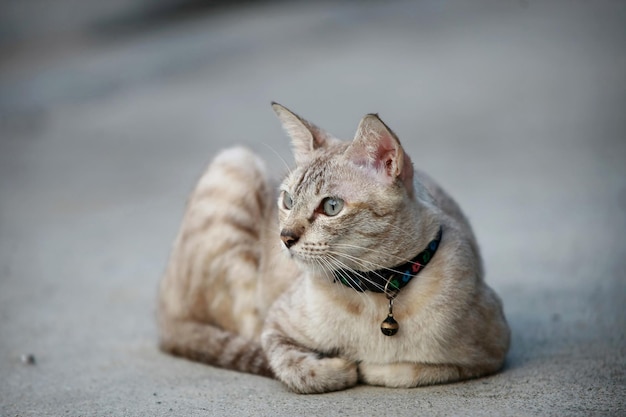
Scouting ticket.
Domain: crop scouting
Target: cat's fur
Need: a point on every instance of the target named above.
(234, 296)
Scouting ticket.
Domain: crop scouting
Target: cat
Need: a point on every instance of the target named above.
(366, 271)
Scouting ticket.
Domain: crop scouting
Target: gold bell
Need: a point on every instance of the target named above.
(389, 326)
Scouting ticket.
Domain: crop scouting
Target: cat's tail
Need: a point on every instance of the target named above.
(208, 309)
(211, 345)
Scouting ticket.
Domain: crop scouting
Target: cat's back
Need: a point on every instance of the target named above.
(481, 309)
(442, 199)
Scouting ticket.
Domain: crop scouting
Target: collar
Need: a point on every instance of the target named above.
(389, 279)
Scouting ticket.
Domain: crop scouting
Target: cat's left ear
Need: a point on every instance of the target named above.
(376, 146)
(305, 136)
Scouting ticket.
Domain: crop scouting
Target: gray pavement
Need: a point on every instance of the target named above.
(516, 107)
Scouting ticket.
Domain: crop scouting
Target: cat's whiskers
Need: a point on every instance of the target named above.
(377, 266)
(329, 273)
(336, 264)
(423, 275)
(327, 268)
(330, 265)
(368, 264)
(342, 266)
(279, 156)
(371, 250)
(362, 263)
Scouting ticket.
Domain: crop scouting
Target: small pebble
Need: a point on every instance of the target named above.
(28, 359)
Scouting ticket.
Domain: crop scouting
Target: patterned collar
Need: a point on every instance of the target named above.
(389, 280)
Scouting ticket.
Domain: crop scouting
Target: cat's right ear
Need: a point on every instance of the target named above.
(305, 136)
(376, 146)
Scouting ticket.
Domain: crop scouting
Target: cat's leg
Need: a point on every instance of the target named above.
(409, 375)
(303, 370)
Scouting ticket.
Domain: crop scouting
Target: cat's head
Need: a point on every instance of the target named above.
(344, 204)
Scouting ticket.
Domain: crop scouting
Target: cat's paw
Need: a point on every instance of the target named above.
(312, 375)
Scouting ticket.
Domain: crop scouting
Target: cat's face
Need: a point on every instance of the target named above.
(339, 207)
(334, 214)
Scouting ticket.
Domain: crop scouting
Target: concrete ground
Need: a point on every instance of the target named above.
(516, 107)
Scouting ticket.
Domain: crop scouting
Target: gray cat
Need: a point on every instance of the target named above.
(365, 271)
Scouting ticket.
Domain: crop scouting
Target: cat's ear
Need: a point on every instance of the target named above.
(375, 146)
(305, 136)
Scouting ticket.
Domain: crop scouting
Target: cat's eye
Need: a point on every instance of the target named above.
(287, 200)
(332, 206)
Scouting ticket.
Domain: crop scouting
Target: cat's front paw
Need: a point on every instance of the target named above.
(308, 374)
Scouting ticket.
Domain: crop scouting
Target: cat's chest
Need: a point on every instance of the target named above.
(352, 326)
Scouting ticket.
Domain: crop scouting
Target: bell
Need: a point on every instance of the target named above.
(389, 326)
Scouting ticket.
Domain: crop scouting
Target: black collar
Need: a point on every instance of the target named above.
(389, 279)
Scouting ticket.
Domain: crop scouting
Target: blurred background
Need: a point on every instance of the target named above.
(109, 111)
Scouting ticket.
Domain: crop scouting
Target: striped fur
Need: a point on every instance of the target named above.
(209, 306)
(235, 296)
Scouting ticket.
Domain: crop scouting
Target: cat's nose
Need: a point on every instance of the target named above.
(289, 237)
